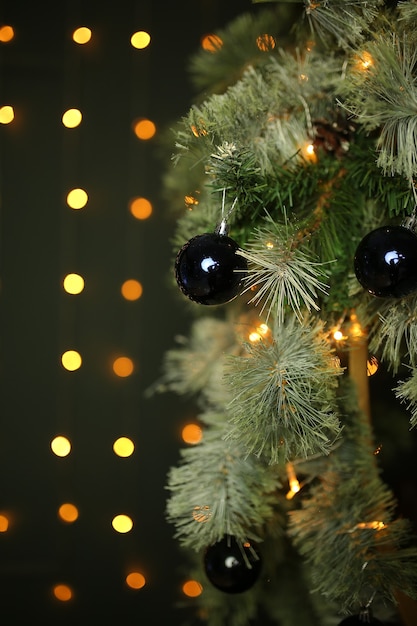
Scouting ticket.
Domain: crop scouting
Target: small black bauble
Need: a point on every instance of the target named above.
(386, 262)
(232, 566)
(208, 269)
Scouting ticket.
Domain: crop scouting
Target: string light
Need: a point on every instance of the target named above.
(192, 433)
(71, 360)
(6, 33)
(140, 40)
(372, 366)
(201, 514)
(140, 208)
(374, 525)
(68, 512)
(192, 589)
(211, 43)
(62, 592)
(144, 129)
(73, 284)
(4, 523)
(265, 42)
(292, 481)
(122, 523)
(135, 580)
(72, 118)
(81, 35)
(261, 331)
(77, 198)
(123, 447)
(6, 114)
(123, 366)
(61, 446)
(131, 289)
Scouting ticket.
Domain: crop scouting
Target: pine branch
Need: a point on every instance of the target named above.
(281, 272)
(406, 391)
(381, 92)
(346, 21)
(347, 525)
(393, 335)
(218, 490)
(284, 394)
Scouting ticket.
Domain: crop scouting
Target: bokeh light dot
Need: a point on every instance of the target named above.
(81, 35)
(4, 523)
(123, 366)
(141, 39)
(71, 360)
(73, 284)
(6, 114)
(131, 289)
(68, 512)
(61, 446)
(62, 592)
(72, 118)
(141, 208)
(135, 580)
(6, 33)
(122, 523)
(192, 588)
(144, 129)
(77, 198)
(211, 43)
(192, 433)
(123, 446)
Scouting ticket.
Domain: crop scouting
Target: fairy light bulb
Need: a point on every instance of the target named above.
(292, 481)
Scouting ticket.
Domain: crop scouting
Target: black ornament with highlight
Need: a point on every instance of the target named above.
(231, 566)
(209, 270)
(386, 262)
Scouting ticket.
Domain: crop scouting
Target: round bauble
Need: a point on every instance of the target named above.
(208, 269)
(386, 262)
(232, 566)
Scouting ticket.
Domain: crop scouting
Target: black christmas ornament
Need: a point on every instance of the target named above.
(386, 262)
(232, 566)
(208, 269)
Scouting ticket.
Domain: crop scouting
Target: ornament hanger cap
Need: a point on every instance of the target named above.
(222, 228)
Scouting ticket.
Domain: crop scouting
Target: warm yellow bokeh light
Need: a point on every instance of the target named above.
(123, 366)
(144, 129)
(72, 118)
(68, 512)
(135, 580)
(141, 39)
(192, 588)
(62, 592)
(6, 33)
(6, 114)
(4, 523)
(73, 283)
(71, 360)
(61, 446)
(211, 43)
(122, 523)
(192, 433)
(77, 198)
(123, 446)
(81, 35)
(131, 289)
(141, 208)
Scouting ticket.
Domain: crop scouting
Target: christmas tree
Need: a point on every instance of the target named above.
(296, 258)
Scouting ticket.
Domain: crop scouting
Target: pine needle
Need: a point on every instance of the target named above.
(281, 272)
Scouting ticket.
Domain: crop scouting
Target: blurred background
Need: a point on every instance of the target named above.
(87, 309)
